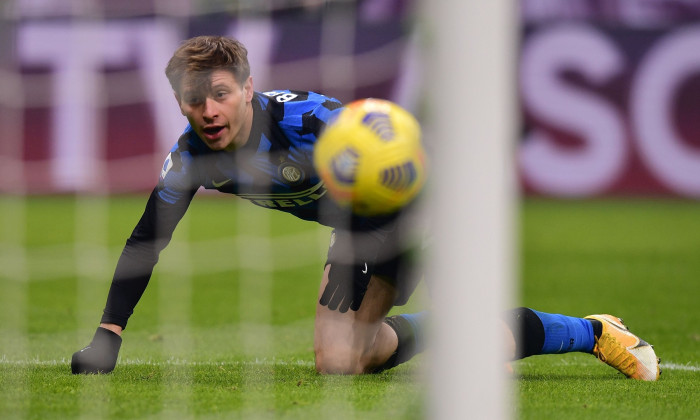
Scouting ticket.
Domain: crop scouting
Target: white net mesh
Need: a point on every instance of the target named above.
(87, 118)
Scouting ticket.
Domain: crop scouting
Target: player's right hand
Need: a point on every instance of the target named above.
(347, 285)
(100, 356)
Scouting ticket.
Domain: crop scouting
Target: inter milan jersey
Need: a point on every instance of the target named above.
(274, 169)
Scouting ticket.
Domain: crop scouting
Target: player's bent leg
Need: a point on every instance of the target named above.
(509, 340)
(354, 342)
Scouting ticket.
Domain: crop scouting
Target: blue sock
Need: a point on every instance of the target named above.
(563, 334)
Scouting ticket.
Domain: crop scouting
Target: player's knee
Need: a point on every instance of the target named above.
(339, 361)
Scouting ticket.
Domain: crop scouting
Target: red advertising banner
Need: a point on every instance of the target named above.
(609, 90)
(610, 96)
(85, 105)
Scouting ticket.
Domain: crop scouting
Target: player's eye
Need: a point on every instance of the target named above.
(221, 94)
(193, 100)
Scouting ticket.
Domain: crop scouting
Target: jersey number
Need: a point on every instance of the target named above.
(281, 96)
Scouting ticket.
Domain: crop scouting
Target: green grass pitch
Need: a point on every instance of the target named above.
(222, 333)
(637, 259)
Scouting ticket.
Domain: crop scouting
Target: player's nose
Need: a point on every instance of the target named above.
(211, 109)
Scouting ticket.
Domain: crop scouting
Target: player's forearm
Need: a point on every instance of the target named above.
(135, 265)
(130, 281)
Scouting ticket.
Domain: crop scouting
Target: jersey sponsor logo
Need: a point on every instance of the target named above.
(286, 200)
(291, 173)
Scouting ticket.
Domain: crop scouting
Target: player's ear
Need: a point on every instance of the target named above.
(248, 89)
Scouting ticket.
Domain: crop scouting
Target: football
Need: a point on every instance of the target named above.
(371, 157)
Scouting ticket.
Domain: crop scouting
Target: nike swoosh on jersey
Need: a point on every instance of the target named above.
(218, 184)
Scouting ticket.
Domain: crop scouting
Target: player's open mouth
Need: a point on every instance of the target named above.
(212, 132)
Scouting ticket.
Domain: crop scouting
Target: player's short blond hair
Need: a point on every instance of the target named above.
(204, 54)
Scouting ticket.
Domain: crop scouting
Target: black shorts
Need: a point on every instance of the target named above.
(388, 251)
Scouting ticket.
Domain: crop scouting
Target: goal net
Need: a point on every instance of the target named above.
(87, 118)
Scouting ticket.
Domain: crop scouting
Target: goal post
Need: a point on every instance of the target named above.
(470, 83)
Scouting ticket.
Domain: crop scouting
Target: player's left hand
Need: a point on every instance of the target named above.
(100, 356)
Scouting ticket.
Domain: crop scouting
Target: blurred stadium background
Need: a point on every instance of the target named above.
(608, 91)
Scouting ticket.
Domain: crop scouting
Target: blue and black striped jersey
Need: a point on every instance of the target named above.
(274, 169)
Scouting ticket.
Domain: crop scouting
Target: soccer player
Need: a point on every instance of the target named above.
(259, 146)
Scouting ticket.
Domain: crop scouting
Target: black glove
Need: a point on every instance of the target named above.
(347, 285)
(100, 356)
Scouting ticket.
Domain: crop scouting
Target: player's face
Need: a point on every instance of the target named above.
(218, 109)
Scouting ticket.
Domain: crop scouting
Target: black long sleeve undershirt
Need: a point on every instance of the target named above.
(135, 266)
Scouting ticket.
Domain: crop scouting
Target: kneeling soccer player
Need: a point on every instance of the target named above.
(259, 146)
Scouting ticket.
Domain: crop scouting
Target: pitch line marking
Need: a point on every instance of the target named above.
(678, 366)
(168, 362)
(688, 367)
